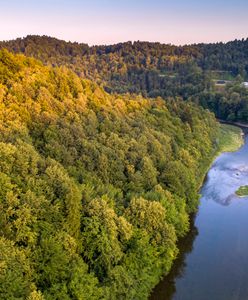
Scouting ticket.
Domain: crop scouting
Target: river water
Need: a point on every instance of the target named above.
(213, 263)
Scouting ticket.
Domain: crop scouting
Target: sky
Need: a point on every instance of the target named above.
(111, 21)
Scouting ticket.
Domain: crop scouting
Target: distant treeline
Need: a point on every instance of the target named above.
(154, 69)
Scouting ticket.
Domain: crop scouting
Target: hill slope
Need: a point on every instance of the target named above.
(95, 188)
(154, 69)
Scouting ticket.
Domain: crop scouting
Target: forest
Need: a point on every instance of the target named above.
(154, 69)
(96, 187)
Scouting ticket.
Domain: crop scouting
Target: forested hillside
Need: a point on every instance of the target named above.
(154, 69)
(95, 188)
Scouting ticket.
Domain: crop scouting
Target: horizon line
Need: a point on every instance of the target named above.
(124, 42)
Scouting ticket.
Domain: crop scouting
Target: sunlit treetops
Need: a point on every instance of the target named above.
(153, 69)
(95, 188)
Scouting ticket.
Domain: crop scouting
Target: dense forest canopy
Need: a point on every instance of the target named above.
(96, 188)
(154, 69)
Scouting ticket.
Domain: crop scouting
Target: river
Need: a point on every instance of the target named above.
(213, 260)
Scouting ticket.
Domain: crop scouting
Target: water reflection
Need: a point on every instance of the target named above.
(167, 287)
(227, 174)
(213, 260)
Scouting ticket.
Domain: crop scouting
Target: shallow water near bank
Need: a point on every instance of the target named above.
(213, 263)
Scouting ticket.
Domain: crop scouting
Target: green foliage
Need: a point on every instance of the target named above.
(104, 237)
(153, 69)
(95, 188)
(230, 104)
(242, 191)
(14, 271)
(230, 138)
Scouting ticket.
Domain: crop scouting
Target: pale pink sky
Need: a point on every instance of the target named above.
(109, 21)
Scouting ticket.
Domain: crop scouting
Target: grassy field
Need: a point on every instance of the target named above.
(230, 138)
(242, 191)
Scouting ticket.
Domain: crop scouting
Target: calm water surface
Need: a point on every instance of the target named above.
(213, 264)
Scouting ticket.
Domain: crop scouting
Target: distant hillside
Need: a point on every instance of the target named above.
(231, 56)
(154, 69)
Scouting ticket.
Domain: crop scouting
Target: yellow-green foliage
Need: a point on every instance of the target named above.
(95, 188)
(154, 69)
(242, 191)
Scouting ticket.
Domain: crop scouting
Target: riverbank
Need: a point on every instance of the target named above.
(213, 257)
(230, 139)
(239, 124)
